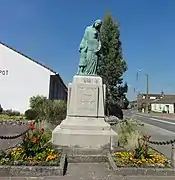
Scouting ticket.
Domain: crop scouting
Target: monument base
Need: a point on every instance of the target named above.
(84, 126)
(94, 135)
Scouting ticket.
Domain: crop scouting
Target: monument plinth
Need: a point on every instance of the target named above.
(84, 125)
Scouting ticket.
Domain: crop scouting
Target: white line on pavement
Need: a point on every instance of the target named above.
(155, 130)
(166, 122)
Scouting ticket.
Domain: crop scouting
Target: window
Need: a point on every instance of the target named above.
(160, 107)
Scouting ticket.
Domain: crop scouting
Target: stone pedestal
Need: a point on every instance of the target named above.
(84, 125)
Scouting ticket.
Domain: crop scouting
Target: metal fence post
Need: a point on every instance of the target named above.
(173, 156)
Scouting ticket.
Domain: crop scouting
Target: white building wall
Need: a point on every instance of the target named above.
(20, 78)
(161, 107)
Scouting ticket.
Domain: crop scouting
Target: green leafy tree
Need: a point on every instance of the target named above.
(111, 63)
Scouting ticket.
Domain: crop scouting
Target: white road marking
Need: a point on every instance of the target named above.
(166, 122)
(155, 130)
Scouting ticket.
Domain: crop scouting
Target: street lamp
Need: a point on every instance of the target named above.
(147, 88)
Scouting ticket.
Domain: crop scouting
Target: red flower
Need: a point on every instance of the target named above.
(146, 137)
(34, 140)
(149, 137)
(32, 126)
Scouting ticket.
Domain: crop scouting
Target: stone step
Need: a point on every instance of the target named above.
(87, 158)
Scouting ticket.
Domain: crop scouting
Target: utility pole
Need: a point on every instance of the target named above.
(147, 93)
(147, 90)
(137, 101)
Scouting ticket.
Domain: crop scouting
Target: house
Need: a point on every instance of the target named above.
(133, 104)
(22, 77)
(142, 100)
(157, 102)
(166, 104)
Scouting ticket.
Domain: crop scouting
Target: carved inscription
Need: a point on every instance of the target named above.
(90, 80)
(87, 100)
(87, 80)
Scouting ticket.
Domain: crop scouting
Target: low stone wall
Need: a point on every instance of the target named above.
(136, 171)
(78, 155)
(35, 171)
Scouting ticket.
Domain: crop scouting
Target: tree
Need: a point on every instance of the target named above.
(125, 103)
(111, 63)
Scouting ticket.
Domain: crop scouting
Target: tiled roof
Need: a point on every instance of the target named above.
(37, 62)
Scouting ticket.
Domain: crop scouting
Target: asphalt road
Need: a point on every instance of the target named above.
(167, 124)
(164, 123)
(159, 128)
(10, 130)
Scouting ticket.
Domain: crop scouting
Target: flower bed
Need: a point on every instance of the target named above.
(141, 161)
(129, 159)
(141, 156)
(34, 155)
(12, 117)
(12, 120)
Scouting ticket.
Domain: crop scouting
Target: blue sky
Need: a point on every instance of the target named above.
(50, 31)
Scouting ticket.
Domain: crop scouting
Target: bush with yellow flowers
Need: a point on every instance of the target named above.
(34, 149)
(142, 156)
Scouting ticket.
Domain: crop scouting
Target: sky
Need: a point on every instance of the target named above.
(50, 32)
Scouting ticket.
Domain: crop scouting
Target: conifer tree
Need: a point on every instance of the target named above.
(111, 65)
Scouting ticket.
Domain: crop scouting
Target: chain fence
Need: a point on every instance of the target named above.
(170, 142)
(162, 142)
(15, 136)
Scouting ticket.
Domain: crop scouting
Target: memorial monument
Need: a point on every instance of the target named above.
(84, 125)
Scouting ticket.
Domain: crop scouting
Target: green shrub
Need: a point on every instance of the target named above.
(54, 111)
(128, 133)
(38, 103)
(31, 114)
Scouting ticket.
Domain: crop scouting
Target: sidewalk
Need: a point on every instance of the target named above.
(87, 171)
(156, 115)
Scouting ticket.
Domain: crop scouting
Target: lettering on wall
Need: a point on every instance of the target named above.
(4, 72)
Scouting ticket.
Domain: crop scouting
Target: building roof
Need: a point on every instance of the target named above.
(144, 94)
(167, 99)
(37, 62)
(158, 95)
